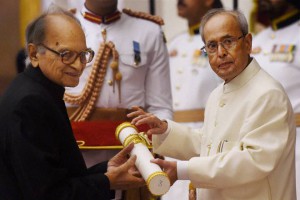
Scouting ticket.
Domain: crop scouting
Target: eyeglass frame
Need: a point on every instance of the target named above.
(235, 39)
(61, 54)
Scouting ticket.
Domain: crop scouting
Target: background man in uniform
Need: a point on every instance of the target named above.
(277, 51)
(39, 157)
(245, 149)
(131, 67)
(192, 79)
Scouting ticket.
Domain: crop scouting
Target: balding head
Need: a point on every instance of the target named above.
(35, 31)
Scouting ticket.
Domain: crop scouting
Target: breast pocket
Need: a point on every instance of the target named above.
(133, 60)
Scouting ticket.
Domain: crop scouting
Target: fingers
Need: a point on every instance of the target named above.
(144, 118)
(159, 162)
(126, 150)
(136, 182)
(135, 173)
(131, 161)
(137, 111)
(136, 178)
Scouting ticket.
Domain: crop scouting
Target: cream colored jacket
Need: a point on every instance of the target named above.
(245, 149)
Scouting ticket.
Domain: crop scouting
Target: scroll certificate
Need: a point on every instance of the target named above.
(157, 181)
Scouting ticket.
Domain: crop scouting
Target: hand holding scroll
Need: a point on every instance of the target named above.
(120, 171)
(169, 167)
(140, 117)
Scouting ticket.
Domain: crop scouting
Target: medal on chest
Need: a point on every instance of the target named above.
(282, 53)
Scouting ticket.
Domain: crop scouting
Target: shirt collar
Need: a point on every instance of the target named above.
(107, 19)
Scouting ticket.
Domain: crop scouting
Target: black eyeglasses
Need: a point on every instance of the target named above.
(227, 43)
(68, 57)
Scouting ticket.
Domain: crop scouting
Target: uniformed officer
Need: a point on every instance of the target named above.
(192, 79)
(277, 51)
(131, 67)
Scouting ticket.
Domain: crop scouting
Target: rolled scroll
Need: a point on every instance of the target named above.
(157, 181)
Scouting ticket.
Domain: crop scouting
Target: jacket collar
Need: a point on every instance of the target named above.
(57, 91)
(243, 78)
(286, 20)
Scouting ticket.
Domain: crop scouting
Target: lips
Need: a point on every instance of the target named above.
(74, 74)
(225, 64)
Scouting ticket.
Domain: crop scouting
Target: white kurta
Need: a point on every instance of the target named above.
(287, 73)
(192, 80)
(246, 145)
(147, 84)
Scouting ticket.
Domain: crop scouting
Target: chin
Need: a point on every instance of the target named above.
(71, 84)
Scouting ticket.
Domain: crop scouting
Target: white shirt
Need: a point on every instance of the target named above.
(147, 84)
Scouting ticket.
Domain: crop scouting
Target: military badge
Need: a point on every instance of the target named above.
(282, 53)
(137, 53)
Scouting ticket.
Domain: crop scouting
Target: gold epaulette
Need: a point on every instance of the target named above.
(154, 18)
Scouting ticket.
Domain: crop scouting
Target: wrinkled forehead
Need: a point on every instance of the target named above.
(62, 27)
(220, 26)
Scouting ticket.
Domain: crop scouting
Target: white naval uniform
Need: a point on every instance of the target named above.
(148, 83)
(287, 73)
(245, 149)
(192, 80)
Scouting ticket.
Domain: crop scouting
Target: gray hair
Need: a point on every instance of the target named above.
(238, 15)
(36, 30)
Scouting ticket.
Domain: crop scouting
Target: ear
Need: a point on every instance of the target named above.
(32, 54)
(248, 40)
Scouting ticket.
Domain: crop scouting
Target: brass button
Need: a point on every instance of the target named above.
(222, 103)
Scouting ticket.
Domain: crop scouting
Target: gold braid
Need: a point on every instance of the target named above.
(154, 18)
(91, 92)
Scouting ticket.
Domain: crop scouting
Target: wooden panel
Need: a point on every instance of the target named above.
(9, 41)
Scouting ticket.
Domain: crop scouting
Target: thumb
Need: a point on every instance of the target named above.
(126, 150)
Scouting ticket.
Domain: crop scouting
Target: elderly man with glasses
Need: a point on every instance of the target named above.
(39, 157)
(245, 149)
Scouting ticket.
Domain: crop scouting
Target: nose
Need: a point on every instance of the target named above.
(222, 51)
(78, 65)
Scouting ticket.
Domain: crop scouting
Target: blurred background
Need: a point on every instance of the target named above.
(16, 14)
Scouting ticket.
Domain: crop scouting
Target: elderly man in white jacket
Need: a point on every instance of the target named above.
(245, 149)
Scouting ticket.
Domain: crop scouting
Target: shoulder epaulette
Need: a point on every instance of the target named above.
(154, 18)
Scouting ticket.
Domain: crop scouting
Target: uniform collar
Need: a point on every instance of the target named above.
(194, 30)
(107, 19)
(286, 19)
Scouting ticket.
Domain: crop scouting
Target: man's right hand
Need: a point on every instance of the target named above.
(121, 173)
(140, 117)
